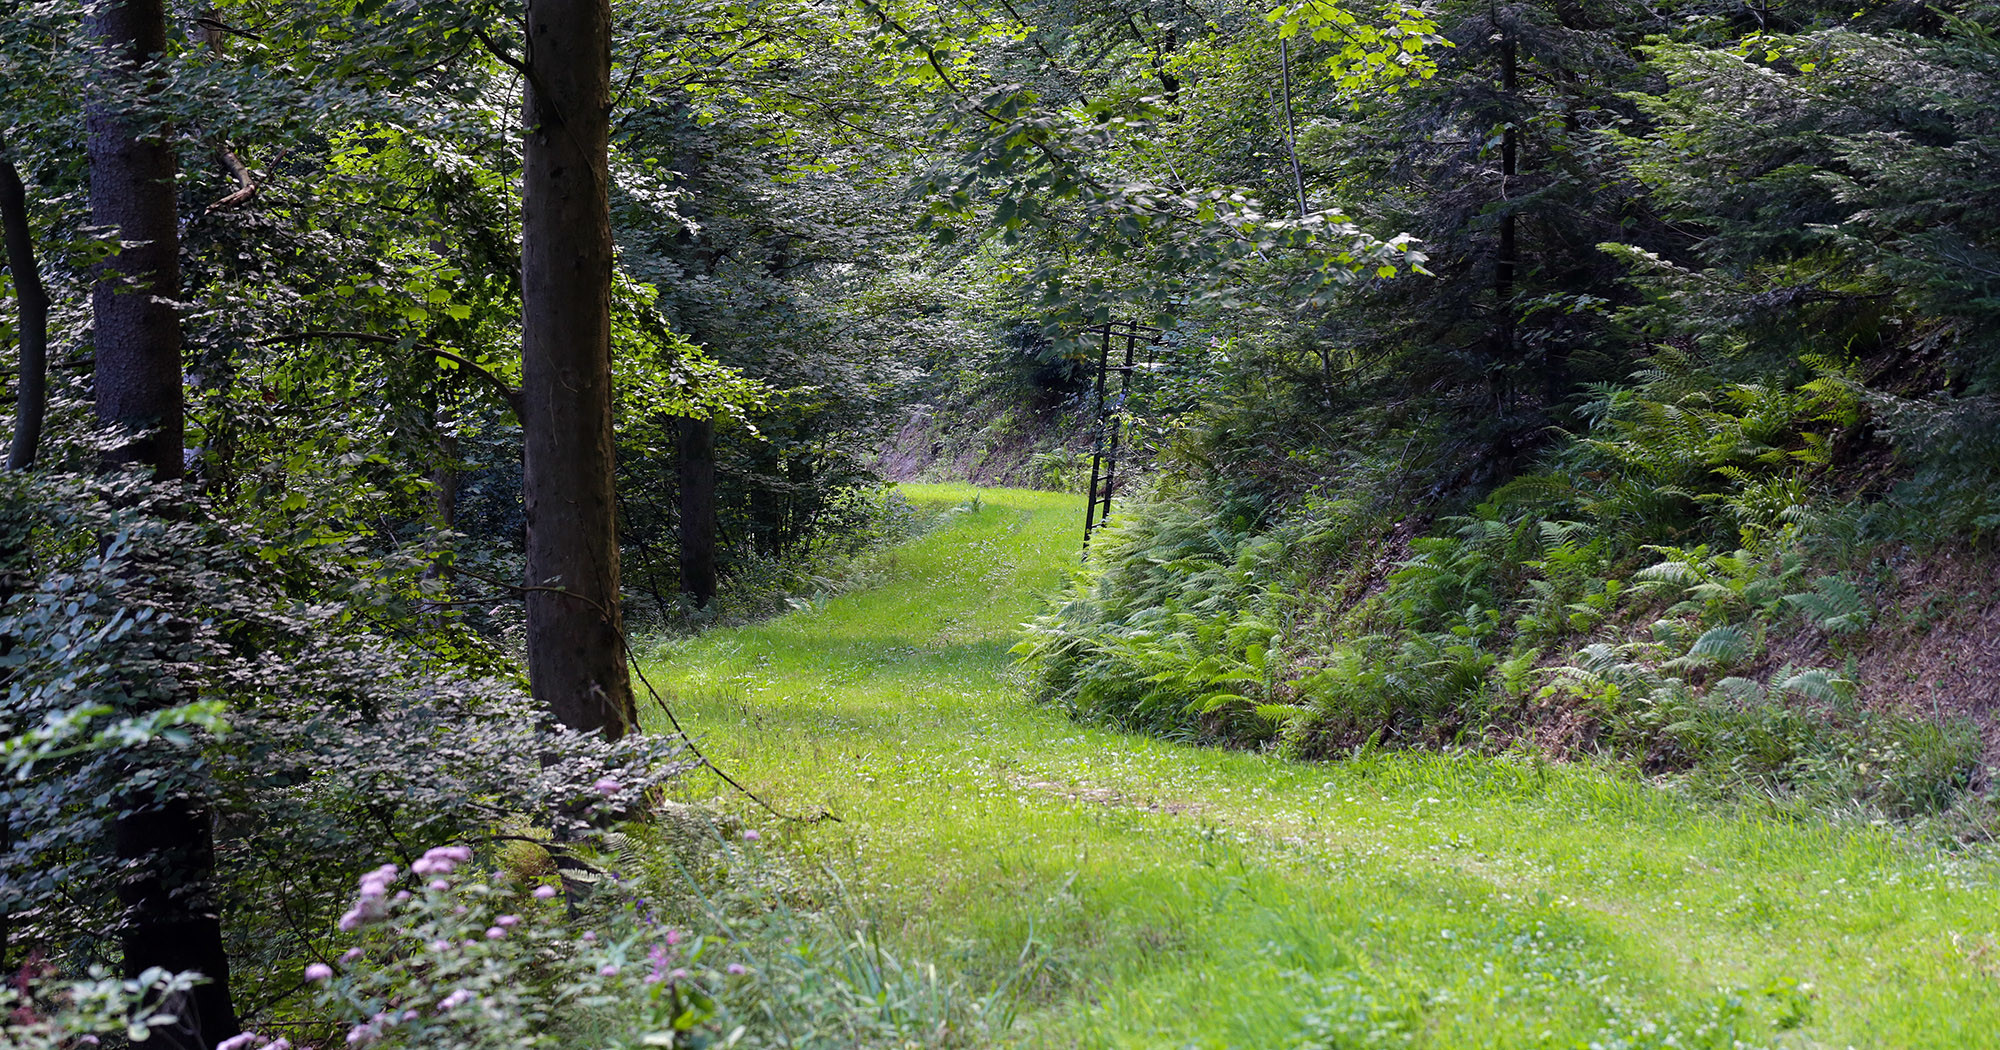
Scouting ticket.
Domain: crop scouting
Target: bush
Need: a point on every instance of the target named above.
(448, 956)
(155, 658)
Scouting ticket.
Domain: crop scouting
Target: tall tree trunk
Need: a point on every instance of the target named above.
(695, 445)
(576, 655)
(1503, 266)
(138, 334)
(33, 301)
(33, 402)
(166, 841)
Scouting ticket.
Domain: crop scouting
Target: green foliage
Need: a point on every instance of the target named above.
(653, 953)
(171, 661)
(47, 1014)
(1176, 636)
(1523, 612)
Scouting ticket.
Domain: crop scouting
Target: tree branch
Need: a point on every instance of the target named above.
(246, 187)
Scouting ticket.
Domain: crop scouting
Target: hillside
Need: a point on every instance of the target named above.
(1137, 893)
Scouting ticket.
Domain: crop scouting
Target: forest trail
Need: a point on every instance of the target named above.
(1191, 897)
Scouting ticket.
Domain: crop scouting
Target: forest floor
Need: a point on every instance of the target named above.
(1169, 896)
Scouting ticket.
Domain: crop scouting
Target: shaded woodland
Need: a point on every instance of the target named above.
(1592, 380)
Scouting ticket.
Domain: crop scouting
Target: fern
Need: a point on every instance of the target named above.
(1816, 684)
(1717, 647)
(1834, 605)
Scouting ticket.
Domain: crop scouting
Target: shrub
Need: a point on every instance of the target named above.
(448, 956)
(164, 661)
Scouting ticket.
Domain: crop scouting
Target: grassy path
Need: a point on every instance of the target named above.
(1183, 897)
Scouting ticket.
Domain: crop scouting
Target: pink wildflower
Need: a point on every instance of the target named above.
(350, 955)
(658, 956)
(543, 893)
(440, 860)
(494, 933)
(506, 920)
(751, 835)
(607, 786)
(316, 972)
(608, 970)
(738, 969)
(376, 883)
(238, 1042)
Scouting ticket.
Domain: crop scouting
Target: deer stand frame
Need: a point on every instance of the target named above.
(1111, 414)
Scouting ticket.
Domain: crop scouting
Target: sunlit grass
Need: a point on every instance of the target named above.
(1174, 897)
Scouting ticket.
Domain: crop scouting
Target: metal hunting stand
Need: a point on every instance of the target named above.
(1110, 414)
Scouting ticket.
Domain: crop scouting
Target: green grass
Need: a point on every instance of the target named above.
(1182, 897)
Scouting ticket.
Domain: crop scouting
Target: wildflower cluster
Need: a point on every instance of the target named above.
(454, 959)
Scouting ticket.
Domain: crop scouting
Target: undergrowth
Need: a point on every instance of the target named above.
(1682, 584)
(832, 561)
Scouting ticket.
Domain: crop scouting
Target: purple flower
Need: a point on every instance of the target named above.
(440, 860)
(376, 883)
(494, 933)
(506, 920)
(590, 935)
(608, 970)
(365, 910)
(543, 893)
(750, 835)
(673, 937)
(440, 885)
(350, 955)
(361, 1035)
(239, 1042)
(454, 1000)
(315, 972)
(658, 956)
(607, 786)
(280, 1043)
(738, 969)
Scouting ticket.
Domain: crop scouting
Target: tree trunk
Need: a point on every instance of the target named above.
(33, 401)
(138, 335)
(33, 300)
(695, 440)
(576, 653)
(164, 839)
(1503, 266)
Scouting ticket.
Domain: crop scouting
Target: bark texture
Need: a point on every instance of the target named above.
(138, 334)
(576, 655)
(695, 443)
(164, 836)
(33, 302)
